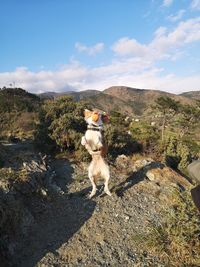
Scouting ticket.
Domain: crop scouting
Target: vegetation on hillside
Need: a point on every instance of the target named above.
(18, 113)
(169, 132)
(17, 100)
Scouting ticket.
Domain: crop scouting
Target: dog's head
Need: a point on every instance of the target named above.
(95, 117)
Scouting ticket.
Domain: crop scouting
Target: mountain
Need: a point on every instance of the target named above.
(108, 102)
(76, 95)
(123, 99)
(139, 100)
(195, 95)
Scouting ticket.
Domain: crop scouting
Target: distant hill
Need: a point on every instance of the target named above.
(76, 95)
(17, 100)
(132, 100)
(141, 100)
(108, 102)
(123, 99)
(195, 95)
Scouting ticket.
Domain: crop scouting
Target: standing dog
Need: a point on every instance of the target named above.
(93, 136)
(94, 143)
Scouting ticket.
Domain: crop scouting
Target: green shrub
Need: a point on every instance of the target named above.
(146, 134)
(118, 141)
(61, 125)
(177, 153)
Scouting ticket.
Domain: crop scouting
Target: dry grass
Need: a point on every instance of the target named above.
(177, 240)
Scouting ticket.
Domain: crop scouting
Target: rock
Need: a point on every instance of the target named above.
(151, 176)
(194, 170)
(141, 163)
(195, 192)
(43, 192)
(167, 175)
(122, 161)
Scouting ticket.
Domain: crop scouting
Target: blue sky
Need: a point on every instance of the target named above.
(58, 45)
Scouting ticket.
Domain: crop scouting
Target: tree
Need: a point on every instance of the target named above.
(189, 116)
(168, 108)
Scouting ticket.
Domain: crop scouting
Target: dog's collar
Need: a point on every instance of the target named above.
(94, 127)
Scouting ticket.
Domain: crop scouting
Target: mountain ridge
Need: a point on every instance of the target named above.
(124, 99)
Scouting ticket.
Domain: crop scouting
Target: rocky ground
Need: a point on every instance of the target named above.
(59, 226)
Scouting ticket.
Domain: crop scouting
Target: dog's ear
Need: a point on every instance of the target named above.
(95, 115)
(87, 113)
(105, 117)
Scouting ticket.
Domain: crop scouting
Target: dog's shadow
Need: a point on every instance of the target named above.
(135, 178)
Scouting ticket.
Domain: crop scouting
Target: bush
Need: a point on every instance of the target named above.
(146, 134)
(177, 153)
(119, 141)
(61, 125)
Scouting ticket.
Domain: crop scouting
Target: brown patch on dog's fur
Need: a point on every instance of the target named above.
(87, 113)
(95, 114)
(104, 150)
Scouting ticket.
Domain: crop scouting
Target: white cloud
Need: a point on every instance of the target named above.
(177, 16)
(90, 50)
(167, 3)
(195, 5)
(126, 46)
(160, 32)
(65, 78)
(164, 44)
(128, 72)
(134, 65)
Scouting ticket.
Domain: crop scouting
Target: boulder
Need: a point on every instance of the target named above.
(195, 192)
(194, 170)
(122, 161)
(167, 175)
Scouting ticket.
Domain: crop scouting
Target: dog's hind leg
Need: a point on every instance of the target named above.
(106, 189)
(94, 187)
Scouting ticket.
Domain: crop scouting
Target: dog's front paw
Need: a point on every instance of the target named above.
(99, 145)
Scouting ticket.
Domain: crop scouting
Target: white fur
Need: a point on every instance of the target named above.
(98, 167)
(93, 140)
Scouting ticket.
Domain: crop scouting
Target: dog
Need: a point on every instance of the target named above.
(95, 145)
(93, 136)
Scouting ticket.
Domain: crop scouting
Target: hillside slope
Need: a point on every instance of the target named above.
(17, 99)
(142, 99)
(18, 112)
(195, 95)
